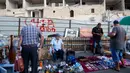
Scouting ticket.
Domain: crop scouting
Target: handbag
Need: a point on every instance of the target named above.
(19, 65)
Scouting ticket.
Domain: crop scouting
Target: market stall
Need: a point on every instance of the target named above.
(7, 54)
(96, 63)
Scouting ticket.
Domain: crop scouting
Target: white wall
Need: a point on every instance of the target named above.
(64, 12)
(25, 4)
(127, 12)
(83, 12)
(2, 12)
(80, 12)
(59, 12)
(10, 5)
(19, 12)
(13, 12)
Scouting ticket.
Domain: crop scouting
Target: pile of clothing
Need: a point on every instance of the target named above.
(63, 67)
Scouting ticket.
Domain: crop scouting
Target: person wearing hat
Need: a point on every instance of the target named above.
(117, 41)
(57, 46)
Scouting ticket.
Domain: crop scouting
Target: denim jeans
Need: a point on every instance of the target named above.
(117, 55)
(97, 46)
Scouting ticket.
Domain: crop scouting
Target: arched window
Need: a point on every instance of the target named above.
(71, 13)
(92, 11)
(54, 11)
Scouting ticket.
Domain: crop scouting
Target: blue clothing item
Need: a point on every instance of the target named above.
(117, 55)
(2, 70)
(97, 43)
(54, 56)
(57, 44)
(71, 59)
(30, 35)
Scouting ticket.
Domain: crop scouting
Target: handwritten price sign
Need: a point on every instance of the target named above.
(45, 25)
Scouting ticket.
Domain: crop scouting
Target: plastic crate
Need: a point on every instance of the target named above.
(7, 68)
(2, 70)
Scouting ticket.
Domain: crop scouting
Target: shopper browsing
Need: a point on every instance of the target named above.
(29, 40)
(118, 37)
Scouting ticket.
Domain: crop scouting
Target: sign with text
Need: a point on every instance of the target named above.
(45, 25)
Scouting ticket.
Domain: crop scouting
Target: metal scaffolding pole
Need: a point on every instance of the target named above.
(45, 3)
(64, 4)
(81, 2)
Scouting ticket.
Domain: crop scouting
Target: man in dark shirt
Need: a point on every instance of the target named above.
(97, 34)
(118, 37)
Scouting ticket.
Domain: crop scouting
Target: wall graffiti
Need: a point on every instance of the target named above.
(45, 25)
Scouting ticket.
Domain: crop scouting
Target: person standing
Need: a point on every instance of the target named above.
(97, 34)
(29, 39)
(117, 41)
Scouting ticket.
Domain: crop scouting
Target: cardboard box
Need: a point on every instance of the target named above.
(43, 54)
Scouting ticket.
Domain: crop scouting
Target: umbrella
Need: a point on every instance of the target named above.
(125, 20)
